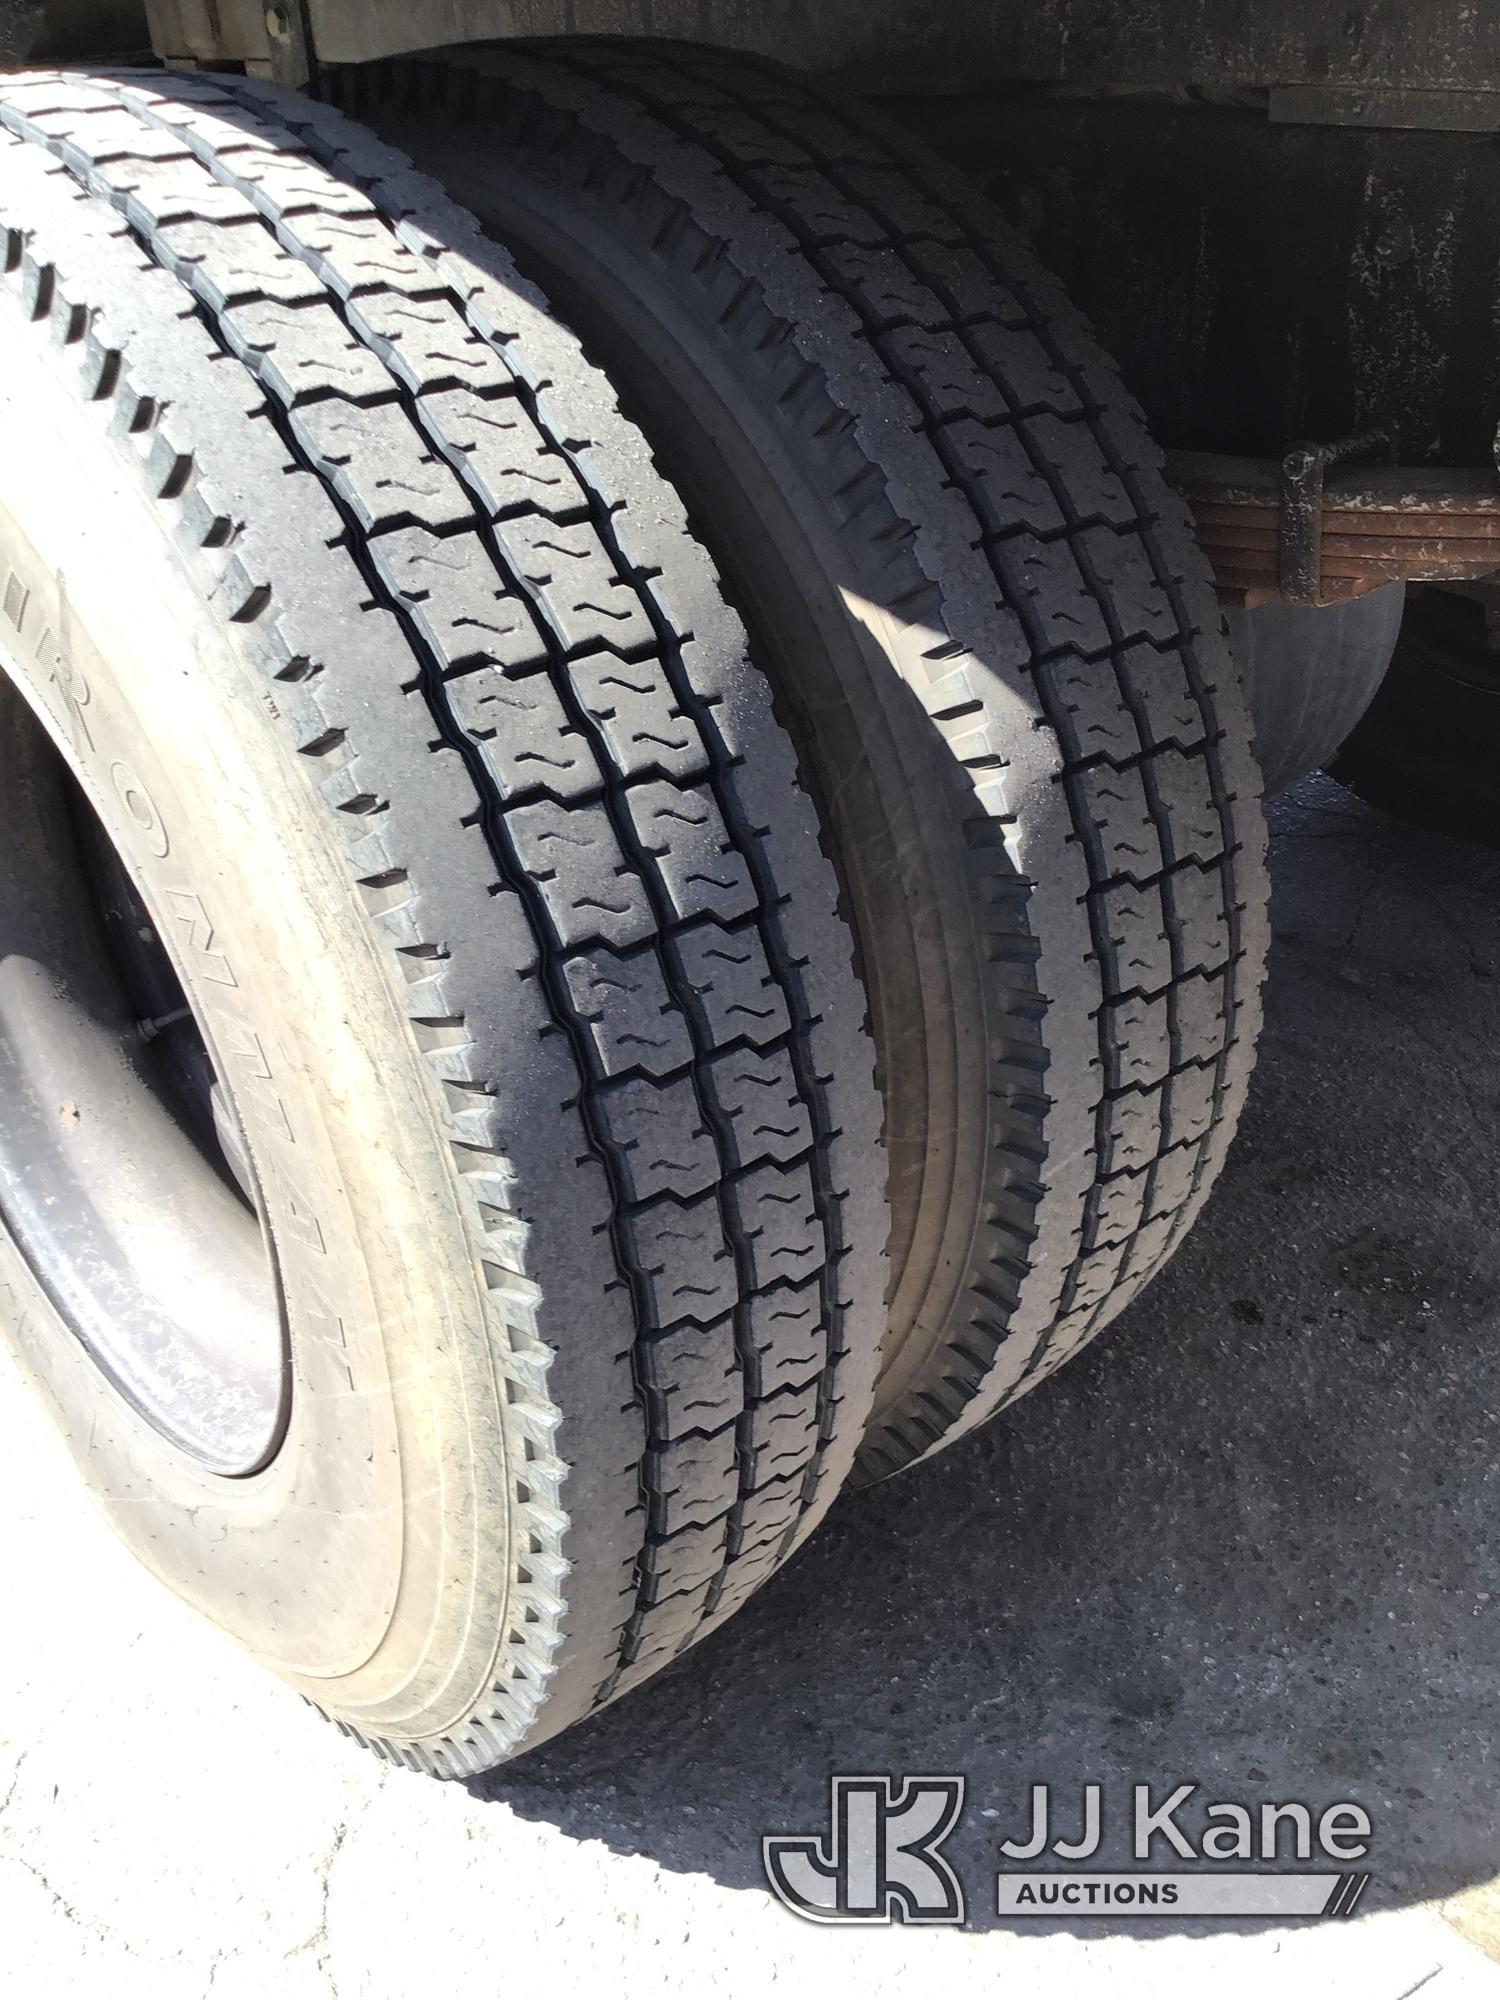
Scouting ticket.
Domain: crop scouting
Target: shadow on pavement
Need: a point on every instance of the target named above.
(1245, 1540)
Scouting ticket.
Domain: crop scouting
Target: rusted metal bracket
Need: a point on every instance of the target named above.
(269, 40)
(1346, 530)
(1304, 472)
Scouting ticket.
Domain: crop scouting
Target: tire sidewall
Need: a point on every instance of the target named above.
(901, 818)
(183, 750)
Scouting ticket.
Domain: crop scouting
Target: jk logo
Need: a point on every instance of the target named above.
(879, 1863)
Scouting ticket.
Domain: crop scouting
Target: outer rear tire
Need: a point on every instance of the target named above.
(986, 624)
(439, 762)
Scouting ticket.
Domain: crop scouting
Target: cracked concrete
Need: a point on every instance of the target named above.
(1246, 1539)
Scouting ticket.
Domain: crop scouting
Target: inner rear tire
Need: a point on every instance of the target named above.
(986, 624)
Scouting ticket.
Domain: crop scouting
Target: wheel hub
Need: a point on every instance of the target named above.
(126, 1178)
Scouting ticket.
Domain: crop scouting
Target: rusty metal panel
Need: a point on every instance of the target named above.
(1384, 110)
(1345, 59)
(915, 44)
(1257, 282)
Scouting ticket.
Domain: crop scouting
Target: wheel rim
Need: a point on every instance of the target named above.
(127, 1182)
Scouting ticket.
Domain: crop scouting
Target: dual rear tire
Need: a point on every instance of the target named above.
(987, 627)
(538, 1010)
